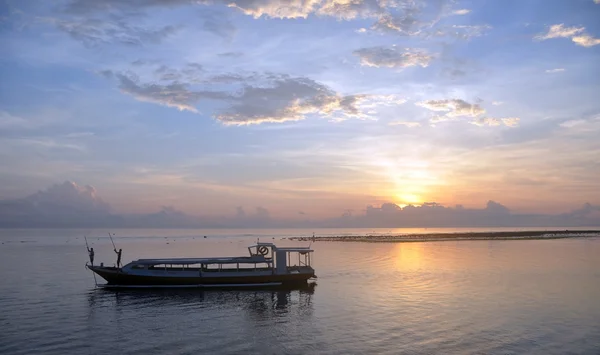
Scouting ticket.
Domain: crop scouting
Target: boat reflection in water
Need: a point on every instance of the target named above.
(258, 300)
(199, 321)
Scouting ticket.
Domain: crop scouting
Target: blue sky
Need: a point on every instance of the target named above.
(296, 106)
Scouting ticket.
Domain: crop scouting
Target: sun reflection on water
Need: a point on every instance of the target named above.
(407, 256)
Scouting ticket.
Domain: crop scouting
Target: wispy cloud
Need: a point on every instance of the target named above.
(231, 54)
(461, 12)
(220, 25)
(572, 123)
(489, 121)
(71, 205)
(576, 34)
(404, 17)
(556, 70)
(261, 99)
(456, 108)
(8, 120)
(453, 107)
(93, 32)
(176, 95)
(463, 31)
(560, 31)
(409, 124)
(393, 57)
(586, 40)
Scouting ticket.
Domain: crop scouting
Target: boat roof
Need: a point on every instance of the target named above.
(289, 249)
(222, 260)
(298, 249)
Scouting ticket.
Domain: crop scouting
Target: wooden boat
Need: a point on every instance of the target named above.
(267, 265)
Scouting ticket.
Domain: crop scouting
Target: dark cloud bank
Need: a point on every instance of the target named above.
(68, 205)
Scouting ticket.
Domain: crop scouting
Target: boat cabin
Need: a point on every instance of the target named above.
(265, 257)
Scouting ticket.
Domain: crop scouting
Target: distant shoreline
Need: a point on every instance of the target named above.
(437, 237)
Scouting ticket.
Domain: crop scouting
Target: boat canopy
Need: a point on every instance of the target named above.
(186, 261)
(286, 249)
(297, 249)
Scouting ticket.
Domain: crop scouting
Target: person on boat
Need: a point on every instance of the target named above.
(91, 253)
(118, 257)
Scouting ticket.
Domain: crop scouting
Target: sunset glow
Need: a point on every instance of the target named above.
(409, 199)
(270, 110)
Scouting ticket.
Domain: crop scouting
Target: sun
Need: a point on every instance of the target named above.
(408, 199)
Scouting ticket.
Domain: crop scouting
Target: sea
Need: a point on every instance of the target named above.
(442, 297)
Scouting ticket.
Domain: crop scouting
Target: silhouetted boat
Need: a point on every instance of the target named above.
(267, 266)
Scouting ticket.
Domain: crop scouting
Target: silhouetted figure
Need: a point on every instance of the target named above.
(91, 253)
(118, 257)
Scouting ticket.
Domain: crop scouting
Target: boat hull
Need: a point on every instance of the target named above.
(118, 278)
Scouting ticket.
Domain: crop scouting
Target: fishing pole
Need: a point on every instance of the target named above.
(115, 248)
(111, 240)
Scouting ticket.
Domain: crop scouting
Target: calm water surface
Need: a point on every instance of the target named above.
(467, 297)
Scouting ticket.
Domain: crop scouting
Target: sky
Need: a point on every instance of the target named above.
(299, 109)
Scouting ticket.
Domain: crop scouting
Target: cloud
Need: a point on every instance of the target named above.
(461, 12)
(87, 6)
(176, 95)
(405, 24)
(409, 124)
(8, 120)
(288, 9)
(219, 25)
(403, 17)
(259, 98)
(231, 54)
(577, 35)
(93, 32)
(453, 107)
(69, 205)
(392, 57)
(557, 70)
(456, 108)
(275, 9)
(511, 121)
(494, 214)
(586, 40)
(572, 123)
(489, 121)
(289, 99)
(454, 73)
(66, 204)
(463, 31)
(69, 195)
(560, 31)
